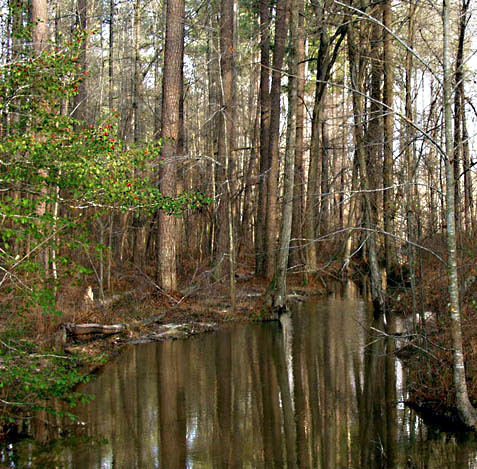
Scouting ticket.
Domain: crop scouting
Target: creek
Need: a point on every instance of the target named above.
(315, 390)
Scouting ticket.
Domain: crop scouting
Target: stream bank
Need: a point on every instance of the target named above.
(54, 370)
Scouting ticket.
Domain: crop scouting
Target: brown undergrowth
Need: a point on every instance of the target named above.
(429, 357)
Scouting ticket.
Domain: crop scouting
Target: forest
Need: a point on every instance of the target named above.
(177, 148)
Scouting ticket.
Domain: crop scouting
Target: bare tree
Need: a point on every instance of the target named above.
(275, 113)
(279, 296)
(467, 412)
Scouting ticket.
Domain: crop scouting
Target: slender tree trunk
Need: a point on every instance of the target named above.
(325, 187)
(275, 111)
(357, 79)
(287, 210)
(327, 56)
(311, 260)
(246, 236)
(468, 190)
(80, 104)
(111, 56)
(459, 112)
(137, 77)
(299, 184)
(388, 127)
(260, 239)
(171, 93)
(227, 130)
(213, 72)
(467, 412)
(409, 156)
(39, 18)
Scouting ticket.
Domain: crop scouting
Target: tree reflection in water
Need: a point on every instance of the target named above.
(317, 390)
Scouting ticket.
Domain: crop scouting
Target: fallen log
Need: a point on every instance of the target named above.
(76, 330)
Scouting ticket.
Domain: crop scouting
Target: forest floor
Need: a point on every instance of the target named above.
(149, 316)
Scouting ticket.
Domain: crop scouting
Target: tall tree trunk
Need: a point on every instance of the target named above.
(357, 82)
(325, 198)
(327, 55)
(388, 133)
(264, 102)
(226, 146)
(39, 19)
(459, 110)
(467, 412)
(275, 111)
(111, 56)
(170, 121)
(299, 184)
(468, 190)
(370, 167)
(409, 157)
(287, 210)
(137, 77)
(80, 105)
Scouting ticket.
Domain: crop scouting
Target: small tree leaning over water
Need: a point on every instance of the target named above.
(466, 411)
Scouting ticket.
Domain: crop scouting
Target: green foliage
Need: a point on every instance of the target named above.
(32, 381)
(56, 174)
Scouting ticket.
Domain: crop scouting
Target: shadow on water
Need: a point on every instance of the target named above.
(316, 390)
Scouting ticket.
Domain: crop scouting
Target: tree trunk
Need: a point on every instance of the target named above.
(357, 80)
(279, 297)
(409, 156)
(171, 93)
(260, 239)
(39, 18)
(467, 412)
(325, 62)
(459, 111)
(299, 184)
(80, 104)
(227, 136)
(110, 56)
(275, 111)
(137, 77)
(388, 133)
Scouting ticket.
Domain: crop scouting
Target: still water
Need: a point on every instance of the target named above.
(316, 390)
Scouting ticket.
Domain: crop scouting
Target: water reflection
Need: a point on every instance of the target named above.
(316, 390)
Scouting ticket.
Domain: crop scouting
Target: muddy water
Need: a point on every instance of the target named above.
(313, 391)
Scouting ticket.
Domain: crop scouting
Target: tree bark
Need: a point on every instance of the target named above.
(327, 55)
(409, 156)
(80, 105)
(287, 210)
(388, 133)
(39, 18)
(299, 183)
(459, 112)
(466, 411)
(171, 93)
(264, 100)
(275, 111)
(357, 81)
(111, 56)
(227, 134)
